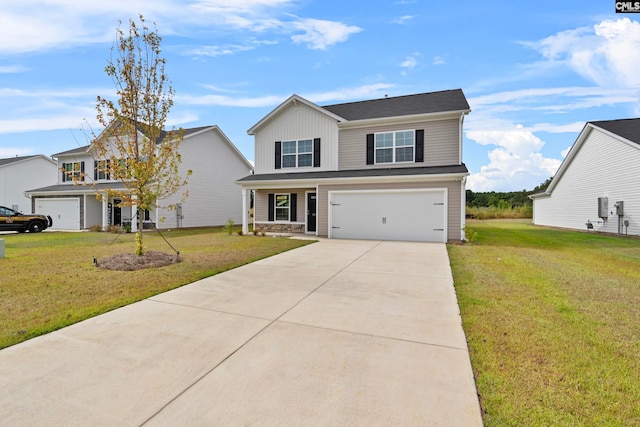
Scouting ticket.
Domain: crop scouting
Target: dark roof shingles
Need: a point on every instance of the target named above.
(626, 128)
(358, 173)
(423, 103)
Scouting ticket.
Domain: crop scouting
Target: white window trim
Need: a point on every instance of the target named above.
(394, 147)
(275, 207)
(297, 154)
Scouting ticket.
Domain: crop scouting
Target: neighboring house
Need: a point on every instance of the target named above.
(19, 174)
(213, 196)
(387, 168)
(597, 183)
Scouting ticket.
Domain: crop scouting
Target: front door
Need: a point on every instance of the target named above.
(311, 212)
(117, 212)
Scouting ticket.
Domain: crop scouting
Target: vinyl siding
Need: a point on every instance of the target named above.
(441, 144)
(603, 167)
(294, 123)
(18, 177)
(453, 202)
(261, 204)
(213, 195)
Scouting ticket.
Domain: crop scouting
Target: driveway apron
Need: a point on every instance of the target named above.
(338, 332)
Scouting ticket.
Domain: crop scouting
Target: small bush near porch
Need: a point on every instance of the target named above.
(48, 280)
(552, 319)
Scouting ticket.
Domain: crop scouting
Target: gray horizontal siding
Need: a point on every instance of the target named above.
(261, 203)
(441, 144)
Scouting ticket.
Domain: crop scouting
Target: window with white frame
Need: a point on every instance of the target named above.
(282, 207)
(395, 147)
(73, 171)
(297, 153)
(102, 169)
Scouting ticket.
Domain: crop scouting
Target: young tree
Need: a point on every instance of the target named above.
(136, 150)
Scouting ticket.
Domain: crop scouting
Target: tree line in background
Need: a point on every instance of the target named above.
(513, 204)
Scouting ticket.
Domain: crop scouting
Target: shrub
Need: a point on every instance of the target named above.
(97, 228)
(229, 226)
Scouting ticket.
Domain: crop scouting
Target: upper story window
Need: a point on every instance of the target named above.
(395, 147)
(73, 171)
(101, 170)
(302, 153)
(297, 153)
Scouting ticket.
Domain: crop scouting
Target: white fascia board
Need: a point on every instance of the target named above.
(402, 119)
(569, 158)
(309, 183)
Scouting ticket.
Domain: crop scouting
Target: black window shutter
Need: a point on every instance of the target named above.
(95, 170)
(293, 207)
(272, 203)
(278, 154)
(370, 149)
(108, 171)
(420, 145)
(316, 153)
(81, 171)
(64, 172)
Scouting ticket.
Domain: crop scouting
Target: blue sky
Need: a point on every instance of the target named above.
(533, 71)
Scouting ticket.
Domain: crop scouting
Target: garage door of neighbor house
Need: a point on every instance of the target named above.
(65, 212)
(413, 215)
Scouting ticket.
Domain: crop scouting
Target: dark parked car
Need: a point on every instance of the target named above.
(11, 220)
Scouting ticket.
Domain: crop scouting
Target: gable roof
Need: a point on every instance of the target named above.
(12, 160)
(189, 132)
(626, 128)
(623, 130)
(407, 105)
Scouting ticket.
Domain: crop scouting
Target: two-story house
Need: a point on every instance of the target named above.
(213, 199)
(388, 169)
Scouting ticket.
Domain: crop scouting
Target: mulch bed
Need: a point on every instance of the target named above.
(131, 262)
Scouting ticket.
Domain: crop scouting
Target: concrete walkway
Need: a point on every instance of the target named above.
(356, 333)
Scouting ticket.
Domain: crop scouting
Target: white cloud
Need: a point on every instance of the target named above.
(37, 25)
(438, 60)
(358, 92)
(409, 63)
(607, 53)
(402, 20)
(12, 69)
(516, 162)
(214, 51)
(377, 90)
(6, 152)
(320, 34)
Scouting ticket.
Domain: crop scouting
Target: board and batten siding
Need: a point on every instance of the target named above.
(295, 123)
(441, 144)
(214, 197)
(454, 216)
(603, 167)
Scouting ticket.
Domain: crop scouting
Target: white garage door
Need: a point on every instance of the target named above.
(65, 212)
(413, 215)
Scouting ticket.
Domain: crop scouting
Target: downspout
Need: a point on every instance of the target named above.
(463, 210)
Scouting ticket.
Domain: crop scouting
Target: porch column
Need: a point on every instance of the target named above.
(105, 212)
(245, 212)
(134, 216)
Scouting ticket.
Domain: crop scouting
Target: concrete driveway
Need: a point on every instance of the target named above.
(356, 333)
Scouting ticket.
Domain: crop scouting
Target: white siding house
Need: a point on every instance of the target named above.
(601, 169)
(20, 174)
(213, 197)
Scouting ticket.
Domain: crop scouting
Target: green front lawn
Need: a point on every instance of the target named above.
(552, 318)
(48, 280)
